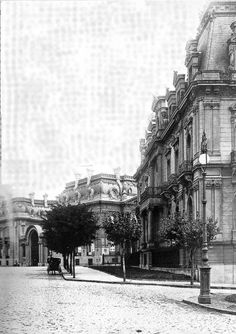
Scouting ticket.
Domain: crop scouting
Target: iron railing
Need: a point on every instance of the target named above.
(150, 192)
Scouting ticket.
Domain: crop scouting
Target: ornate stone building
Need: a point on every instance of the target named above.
(21, 234)
(169, 178)
(104, 194)
(21, 240)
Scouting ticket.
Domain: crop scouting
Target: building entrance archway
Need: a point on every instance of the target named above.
(34, 248)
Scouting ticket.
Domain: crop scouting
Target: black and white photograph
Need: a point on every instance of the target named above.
(118, 167)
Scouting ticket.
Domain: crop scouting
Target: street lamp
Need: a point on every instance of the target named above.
(204, 297)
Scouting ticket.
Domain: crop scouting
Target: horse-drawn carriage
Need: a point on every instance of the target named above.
(54, 265)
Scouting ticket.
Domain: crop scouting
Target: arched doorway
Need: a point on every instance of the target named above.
(34, 248)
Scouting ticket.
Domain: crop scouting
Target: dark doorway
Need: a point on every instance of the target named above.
(144, 259)
(34, 247)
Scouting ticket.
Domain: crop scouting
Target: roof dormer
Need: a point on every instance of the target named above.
(180, 86)
(171, 101)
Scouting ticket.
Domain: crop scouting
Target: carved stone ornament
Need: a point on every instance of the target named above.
(211, 104)
(234, 171)
(232, 47)
(213, 183)
(19, 207)
(233, 34)
(195, 108)
(191, 48)
(188, 179)
(172, 139)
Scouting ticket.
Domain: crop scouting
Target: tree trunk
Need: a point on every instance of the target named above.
(73, 261)
(64, 260)
(67, 262)
(192, 257)
(123, 263)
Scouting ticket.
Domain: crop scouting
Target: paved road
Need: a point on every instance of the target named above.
(33, 303)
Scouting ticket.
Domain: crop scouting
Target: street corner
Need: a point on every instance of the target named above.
(218, 304)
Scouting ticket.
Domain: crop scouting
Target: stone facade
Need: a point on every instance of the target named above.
(21, 241)
(104, 194)
(169, 178)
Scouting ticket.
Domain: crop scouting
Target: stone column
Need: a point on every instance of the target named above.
(45, 254)
(141, 260)
(149, 236)
(143, 229)
(195, 136)
(40, 252)
(27, 254)
(146, 228)
(172, 160)
(216, 127)
(184, 145)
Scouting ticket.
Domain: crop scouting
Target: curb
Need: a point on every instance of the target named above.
(146, 284)
(208, 308)
(129, 283)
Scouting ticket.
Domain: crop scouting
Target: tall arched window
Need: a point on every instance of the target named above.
(176, 160)
(188, 147)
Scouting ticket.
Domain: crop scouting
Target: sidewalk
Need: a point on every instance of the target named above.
(86, 274)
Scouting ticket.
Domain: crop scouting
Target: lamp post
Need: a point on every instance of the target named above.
(204, 297)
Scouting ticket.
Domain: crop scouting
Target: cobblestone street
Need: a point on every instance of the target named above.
(33, 302)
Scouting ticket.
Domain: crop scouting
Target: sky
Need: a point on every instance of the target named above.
(77, 84)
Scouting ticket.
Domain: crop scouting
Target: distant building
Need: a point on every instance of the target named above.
(21, 240)
(169, 178)
(104, 194)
